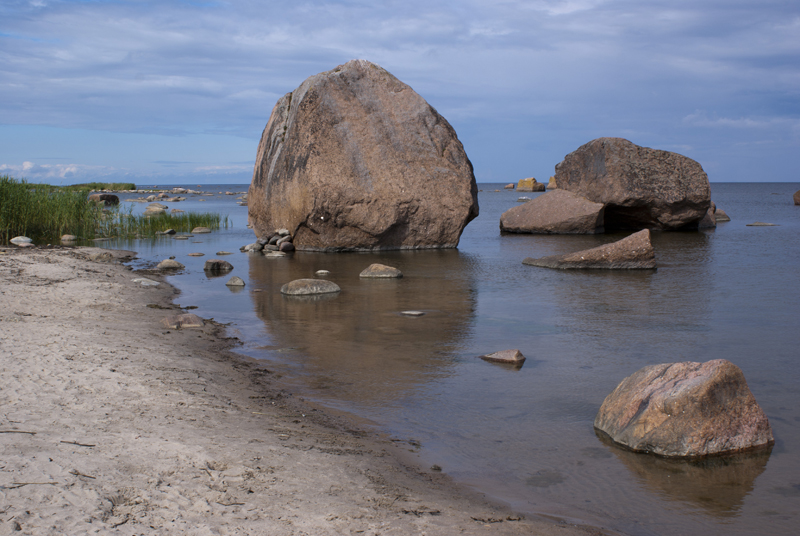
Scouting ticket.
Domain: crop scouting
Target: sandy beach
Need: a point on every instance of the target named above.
(112, 423)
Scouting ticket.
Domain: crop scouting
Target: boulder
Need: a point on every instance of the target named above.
(286, 247)
(170, 264)
(709, 221)
(380, 271)
(216, 266)
(796, 197)
(641, 188)
(106, 199)
(511, 357)
(509, 186)
(307, 287)
(354, 159)
(186, 320)
(551, 184)
(530, 185)
(235, 281)
(632, 253)
(19, 240)
(685, 410)
(558, 212)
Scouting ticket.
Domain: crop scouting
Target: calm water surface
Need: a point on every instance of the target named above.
(525, 436)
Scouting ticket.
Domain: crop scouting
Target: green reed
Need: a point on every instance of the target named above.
(44, 213)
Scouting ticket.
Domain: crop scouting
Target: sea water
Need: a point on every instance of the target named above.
(524, 436)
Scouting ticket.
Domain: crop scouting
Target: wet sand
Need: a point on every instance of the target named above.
(112, 423)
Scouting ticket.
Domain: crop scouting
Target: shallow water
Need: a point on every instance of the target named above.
(525, 435)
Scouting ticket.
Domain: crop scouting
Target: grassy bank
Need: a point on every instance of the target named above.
(44, 212)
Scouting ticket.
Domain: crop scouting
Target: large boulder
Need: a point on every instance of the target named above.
(641, 188)
(354, 159)
(105, 199)
(632, 253)
(685, 410)
(556, 212)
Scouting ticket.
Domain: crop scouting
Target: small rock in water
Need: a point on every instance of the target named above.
(181, 237)
(235, 281)
(217, 266)
(201, 230)
(169, 264)
(146, 282)
(305, 287)
(322, 272)
(197, 254)
(523, 199)
(512, 357)
(721, 216)
(380, 271)
(69, 238)
(412, 313)
(223, 253)
(761, 224)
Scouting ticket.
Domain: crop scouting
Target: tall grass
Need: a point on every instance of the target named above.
(44, 213)
(40, 212)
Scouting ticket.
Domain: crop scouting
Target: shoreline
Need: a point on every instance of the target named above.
(113, 423)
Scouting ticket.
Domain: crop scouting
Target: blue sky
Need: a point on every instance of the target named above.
(179, 91)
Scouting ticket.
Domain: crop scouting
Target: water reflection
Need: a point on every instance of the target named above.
(717, 484)
(356, 342)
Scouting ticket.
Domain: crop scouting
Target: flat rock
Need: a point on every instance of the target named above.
(720, 216)
(322, 272)
(306, 287)
(170, 264)
(377, 270)
(412, 313)
(557, 212)
(195, 254)
(530, 185)
(275, 254)
(146, 282)
(511, 357)
(217, 266)
(354, 159)
(685, 410)
(761, 224)
(223, 253)
(632, 253)
(641, 188)
(21, 240)
(201, 230)
(182, 321)
(235, 281)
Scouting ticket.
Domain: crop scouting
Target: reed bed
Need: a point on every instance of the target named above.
(44, 213)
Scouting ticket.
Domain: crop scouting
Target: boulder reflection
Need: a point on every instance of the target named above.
(717, 484)
(356, 342)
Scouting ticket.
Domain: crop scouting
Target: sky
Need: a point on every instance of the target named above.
(179, 91)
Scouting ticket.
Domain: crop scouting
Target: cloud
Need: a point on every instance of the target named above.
(558, 72)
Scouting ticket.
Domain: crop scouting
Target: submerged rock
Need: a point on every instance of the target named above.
(559, 212)
(306, 287)
(632, 253)
(685, 410)
(354, 159)
(761, 224)
(511, 357)
(641, 188)
(380, 271)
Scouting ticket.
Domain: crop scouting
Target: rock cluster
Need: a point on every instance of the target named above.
(632, 253)
(685, 410)
(354, 159)
(279, 241)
